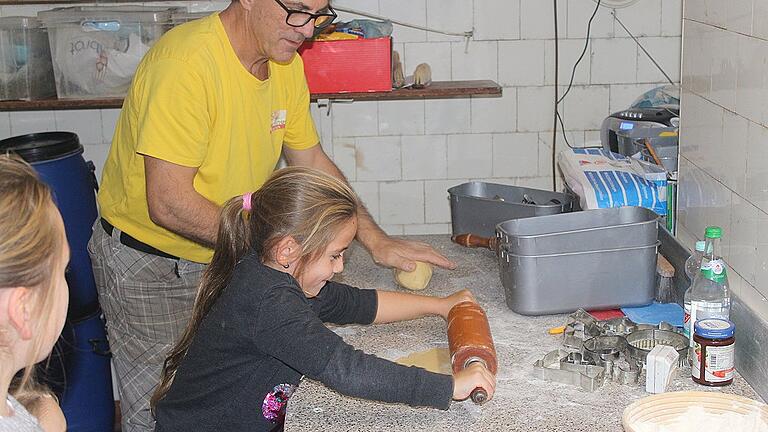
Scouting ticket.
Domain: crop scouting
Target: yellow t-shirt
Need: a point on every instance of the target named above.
(194, 104)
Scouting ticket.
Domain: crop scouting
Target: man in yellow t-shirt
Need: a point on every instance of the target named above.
(213, 105)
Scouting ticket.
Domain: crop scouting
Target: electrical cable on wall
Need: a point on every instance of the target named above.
(658, 66)
(554, 127)
(616, 4)
(559, 100)
(558, 117)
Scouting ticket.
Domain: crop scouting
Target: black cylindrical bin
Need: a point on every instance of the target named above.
(58, 159)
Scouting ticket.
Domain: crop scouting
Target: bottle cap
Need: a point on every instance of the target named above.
(713, 232)
(700, 245)
(714, 328)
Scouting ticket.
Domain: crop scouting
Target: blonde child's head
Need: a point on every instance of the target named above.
(307, 205)
(33, 258)
(300, 207)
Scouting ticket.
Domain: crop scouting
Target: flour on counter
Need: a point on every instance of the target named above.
(697, 419)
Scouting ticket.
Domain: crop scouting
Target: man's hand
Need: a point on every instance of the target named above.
(402, 254)
(385, 250)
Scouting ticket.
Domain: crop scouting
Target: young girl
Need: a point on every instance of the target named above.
(33, 292)
(257, 325)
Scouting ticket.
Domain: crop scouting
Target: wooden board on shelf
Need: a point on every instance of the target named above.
(437, 90)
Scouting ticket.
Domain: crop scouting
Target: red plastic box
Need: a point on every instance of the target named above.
(346, 66)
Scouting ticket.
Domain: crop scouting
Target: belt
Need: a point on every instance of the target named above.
(135, 244)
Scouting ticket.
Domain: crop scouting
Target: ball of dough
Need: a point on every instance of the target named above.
(414, 280)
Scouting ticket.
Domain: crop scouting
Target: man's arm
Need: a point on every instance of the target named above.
(175, 205)
(384, 249)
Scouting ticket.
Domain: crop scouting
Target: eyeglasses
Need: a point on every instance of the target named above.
(297, 18)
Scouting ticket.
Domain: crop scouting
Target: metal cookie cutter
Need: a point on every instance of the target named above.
(581, 326)
(602, 349)
(569, 368)
(626, 371)
(641, 342)
(619, 326)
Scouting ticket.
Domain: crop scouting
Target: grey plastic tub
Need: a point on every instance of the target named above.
(476, 207)
(561, 283)
(589, 230)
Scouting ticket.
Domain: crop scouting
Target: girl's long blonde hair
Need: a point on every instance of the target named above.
(303, 203)
(31, 245)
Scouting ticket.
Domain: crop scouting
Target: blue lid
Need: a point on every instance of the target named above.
(714, 328)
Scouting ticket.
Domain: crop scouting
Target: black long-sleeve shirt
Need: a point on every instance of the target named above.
(258, 340)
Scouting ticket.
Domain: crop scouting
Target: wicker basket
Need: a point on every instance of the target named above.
(665, 409)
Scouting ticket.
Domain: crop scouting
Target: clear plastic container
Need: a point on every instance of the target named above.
(181, 17)
(96, 50)
(26, 72)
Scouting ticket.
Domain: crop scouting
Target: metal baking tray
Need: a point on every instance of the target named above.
(476, 207)
(589, 230)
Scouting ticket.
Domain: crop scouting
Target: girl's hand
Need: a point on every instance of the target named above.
(454, 299)
(474, 376)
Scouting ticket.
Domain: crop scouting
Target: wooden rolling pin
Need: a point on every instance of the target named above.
(475, 241)
(470, 341)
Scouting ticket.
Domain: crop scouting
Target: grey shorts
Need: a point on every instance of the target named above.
(147, 301)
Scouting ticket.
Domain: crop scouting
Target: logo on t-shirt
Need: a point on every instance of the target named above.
(278, 120)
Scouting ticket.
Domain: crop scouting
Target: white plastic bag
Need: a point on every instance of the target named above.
(603, 179)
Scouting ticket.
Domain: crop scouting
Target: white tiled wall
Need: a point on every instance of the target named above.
(402, 156)
(724, 137)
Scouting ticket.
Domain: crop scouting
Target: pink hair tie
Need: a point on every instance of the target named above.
(247, 201)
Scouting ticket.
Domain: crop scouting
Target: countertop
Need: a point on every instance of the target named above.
(521, 403)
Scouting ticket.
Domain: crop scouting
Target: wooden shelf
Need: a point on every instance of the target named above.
(437, 90)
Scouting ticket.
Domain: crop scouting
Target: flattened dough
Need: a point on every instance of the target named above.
(417, 279)
(436, 360)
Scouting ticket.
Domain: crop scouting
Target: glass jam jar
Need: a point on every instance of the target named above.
(713, 352)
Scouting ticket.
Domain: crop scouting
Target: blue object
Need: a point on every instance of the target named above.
(714, 328)
(626, 126)
(655, 313)
(57, 158)
(80, 374)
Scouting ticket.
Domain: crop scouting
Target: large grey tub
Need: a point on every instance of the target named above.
(476, 207)
(595, 259)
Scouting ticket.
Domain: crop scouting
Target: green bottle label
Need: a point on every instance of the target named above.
(714, 270)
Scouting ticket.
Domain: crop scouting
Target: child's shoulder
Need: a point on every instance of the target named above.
(253, 279)
(21, 420)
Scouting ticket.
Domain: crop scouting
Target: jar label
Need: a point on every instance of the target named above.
(718, 366)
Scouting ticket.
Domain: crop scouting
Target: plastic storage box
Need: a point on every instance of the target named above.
(345, 66)
(96, 50)
(26, 72)
(181, 17)
(591, 259)
(476, 207)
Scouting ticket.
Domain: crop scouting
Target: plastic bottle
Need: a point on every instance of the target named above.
(693, 263)
(692, 269)
(710, 296)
